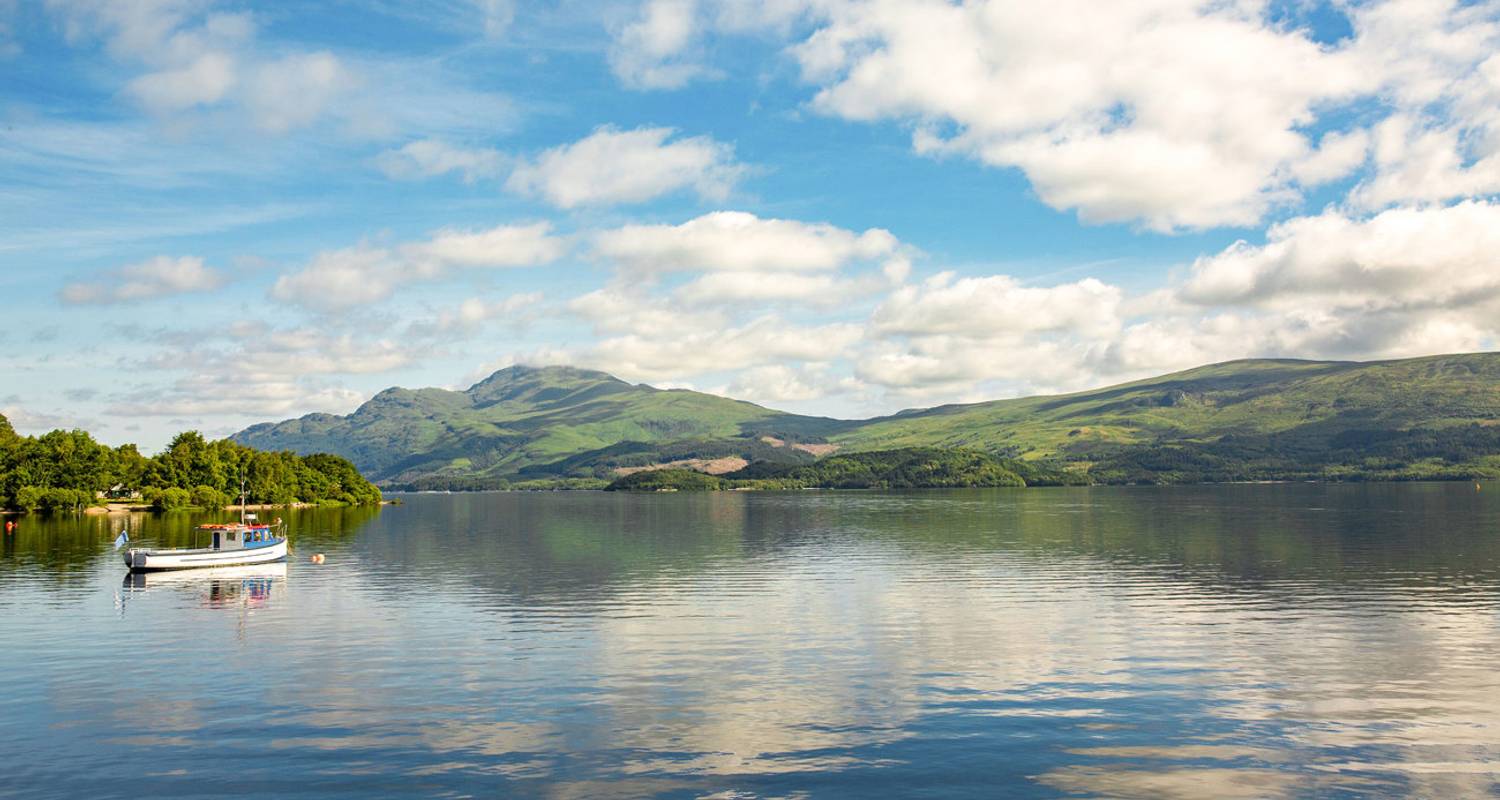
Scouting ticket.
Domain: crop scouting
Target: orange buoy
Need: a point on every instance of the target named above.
(317, 558)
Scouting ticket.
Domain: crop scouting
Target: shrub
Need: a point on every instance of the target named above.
(28, 498)
(168, 499)
(208, 497)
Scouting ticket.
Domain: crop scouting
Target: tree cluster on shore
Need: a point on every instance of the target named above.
(70, 471)
(907, 468)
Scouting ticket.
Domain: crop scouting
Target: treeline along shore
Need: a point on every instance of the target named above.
(70, 471)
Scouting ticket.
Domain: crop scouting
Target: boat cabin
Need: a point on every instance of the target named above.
(241, 537)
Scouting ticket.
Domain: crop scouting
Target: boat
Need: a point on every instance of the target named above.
(233, 544)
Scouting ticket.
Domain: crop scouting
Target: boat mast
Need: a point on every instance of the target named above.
(242, 496)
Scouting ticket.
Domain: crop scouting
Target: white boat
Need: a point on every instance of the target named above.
(232, 545)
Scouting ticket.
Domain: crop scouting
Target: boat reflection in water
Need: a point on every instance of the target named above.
(249, 586)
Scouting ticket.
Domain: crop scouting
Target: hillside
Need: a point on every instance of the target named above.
(1241, 420)
(537, 422)
(1383, 417)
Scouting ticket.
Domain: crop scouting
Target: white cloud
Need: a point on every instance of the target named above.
(204, 81)
(341, 279)
(427, 158)
(497, 16)
(474, 313)
(630, 310)
(162, 276)
(779, 383)
(735, 241)
(612, 166)
(654, 50)
(294, 91)
(359, 276)
(501, 246)
(658, 49)
(996, 305)
(1447, 257)
(276, 372)
(1406, 282)
(193, 57)
(1145, 112)
(681, 351)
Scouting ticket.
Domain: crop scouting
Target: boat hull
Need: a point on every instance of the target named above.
(157, 560)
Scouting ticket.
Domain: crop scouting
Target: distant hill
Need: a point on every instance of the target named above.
(538, 422)
(1436, 417)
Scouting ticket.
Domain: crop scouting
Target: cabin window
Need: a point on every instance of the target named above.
(232, 534)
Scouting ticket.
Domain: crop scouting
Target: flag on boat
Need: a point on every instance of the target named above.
(122, 538)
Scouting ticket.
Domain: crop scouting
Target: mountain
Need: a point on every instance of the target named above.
(537, 422)
(1263, 418)
(1241, 420)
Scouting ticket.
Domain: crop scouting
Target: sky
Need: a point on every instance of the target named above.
(218, 213)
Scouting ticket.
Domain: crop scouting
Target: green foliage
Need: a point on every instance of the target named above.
(55, 499)
(208, 497)
(911, 468)
(27, 498)
(66, 470)
(167, 499)
(908, 468)
(666, 480)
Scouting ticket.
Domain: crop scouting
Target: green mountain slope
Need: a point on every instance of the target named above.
(533, 422)
(1241, 420)
(1384, 417)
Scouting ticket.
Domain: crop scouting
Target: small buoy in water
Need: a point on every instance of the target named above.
(317, 558)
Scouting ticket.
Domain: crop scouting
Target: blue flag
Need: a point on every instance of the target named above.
(122, 539)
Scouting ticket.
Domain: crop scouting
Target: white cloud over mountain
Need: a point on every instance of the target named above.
(352, 277)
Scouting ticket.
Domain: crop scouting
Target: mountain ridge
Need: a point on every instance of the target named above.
(526, 422)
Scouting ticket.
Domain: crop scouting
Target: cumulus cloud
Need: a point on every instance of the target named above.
(1439, 61)
(293, 91)
(192, 56)
(680, 351)
(736, 241)
(998, 304)
(1147, 112)
(779, 383)
(275, 372)
(1405, 282)
(659, 48)
(203, 81)
(428, 158)
(611, 166)
(1142, 113)
(163, 276)
(1441, 257)
(474, 313)
(654, 50)
(358, 276)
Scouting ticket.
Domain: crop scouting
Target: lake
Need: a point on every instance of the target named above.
(1231, 641)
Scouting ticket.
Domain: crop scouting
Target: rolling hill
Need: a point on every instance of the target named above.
(537, 422)
(1243, 420)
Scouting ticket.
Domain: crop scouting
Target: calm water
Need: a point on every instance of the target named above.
(1254, 641)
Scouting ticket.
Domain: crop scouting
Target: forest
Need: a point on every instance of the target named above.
(70, 471)
(906, 468)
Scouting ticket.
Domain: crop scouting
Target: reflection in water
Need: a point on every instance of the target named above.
(248, 586)
(1241, 641)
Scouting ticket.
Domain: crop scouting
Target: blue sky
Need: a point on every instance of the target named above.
(219, 213)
